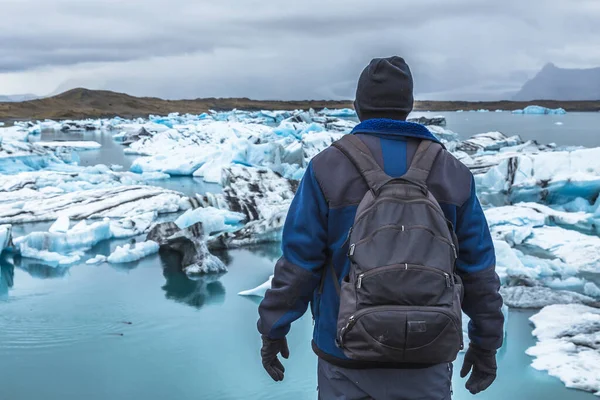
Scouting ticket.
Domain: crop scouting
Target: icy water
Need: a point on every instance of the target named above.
(146, 331)
(581, 129)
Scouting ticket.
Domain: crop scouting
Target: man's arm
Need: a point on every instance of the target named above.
(476, 266)
(298, 271)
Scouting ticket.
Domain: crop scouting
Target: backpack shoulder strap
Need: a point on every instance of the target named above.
(422, 162)
(359, 154)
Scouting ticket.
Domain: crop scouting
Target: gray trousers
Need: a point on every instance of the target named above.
(433, 383)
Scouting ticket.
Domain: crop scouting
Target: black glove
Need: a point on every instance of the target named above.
(270, 349)
(484, 367)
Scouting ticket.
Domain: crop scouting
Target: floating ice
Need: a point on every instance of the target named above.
(77, 145)
(60, 247)
(61, 225)
(568, 345)
(489, 141)
(213, 220)
(592, 290)
(189, 243)
(540, 110)
(340, 113)
(433, 121)
(5, 237)
(99, 259)
(445, 135)
(133, 252)
(540, 297)
(258, 291)
(555, 177)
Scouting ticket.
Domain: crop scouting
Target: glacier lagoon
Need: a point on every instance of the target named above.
(185, 337)
(145, 330)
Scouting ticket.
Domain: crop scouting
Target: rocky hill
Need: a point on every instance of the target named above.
(84, 103)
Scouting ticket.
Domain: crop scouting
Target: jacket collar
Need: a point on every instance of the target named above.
(390, 128)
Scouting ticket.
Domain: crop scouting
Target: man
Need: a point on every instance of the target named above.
(315, 238)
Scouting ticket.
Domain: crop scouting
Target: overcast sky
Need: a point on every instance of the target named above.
(281, 49)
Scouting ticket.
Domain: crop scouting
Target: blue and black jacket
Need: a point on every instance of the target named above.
(323, 212)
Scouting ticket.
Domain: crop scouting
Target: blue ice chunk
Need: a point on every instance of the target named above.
(339, 113)
(133, 252)
(539, 110)
(213, 220)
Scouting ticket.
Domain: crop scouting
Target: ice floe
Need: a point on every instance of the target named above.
(132, 252)
(258, 291)
(540, 297)
(569, 345)
(538, 110)
(98, 259)
(190, 245)
(5, 237)
(77, 145)
(61, 225)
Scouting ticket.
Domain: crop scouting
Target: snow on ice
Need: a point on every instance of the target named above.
(5, 237)
(258, 291)
(133, 252)
(569, 345)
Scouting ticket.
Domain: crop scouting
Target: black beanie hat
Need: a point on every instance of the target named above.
(385, 90)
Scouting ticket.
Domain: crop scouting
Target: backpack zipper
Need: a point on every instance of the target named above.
(381, 270)
(403, 228)
(435, 207)
(354, 317)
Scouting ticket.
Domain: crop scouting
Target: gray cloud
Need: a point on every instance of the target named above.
(288, 49)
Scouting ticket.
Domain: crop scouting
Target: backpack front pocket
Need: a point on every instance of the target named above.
(398, 334)
(404, 285)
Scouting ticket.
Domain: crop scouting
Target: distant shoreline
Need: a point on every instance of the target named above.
(84, 103)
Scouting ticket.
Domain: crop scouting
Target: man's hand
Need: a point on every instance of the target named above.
(483, 363)
(270, 349)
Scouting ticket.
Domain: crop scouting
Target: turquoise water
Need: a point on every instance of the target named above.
(581, 129)
(146, 331)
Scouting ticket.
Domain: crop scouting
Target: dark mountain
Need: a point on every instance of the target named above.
(554, 83)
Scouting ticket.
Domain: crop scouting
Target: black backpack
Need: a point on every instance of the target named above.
(401, 301)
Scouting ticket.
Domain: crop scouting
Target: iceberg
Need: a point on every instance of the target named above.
(46, 196)
(61, 225)
(568, 346)
(488, 141)
(340, 113)
(73, 145)
(73, 240)
(554, 177)
(133, 252)
(5, 237)
(592, 290)
(190, 245)
(538, 297)
(214, 220)
(17, 157)
(445, 135)
(538, 110)
(258, 291)
(99, 259)
(433, 121)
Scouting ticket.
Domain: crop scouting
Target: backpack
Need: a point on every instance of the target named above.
(401, 300)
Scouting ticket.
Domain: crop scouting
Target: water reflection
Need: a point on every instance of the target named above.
(7, 275)
(38, 270)
(204, 290)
